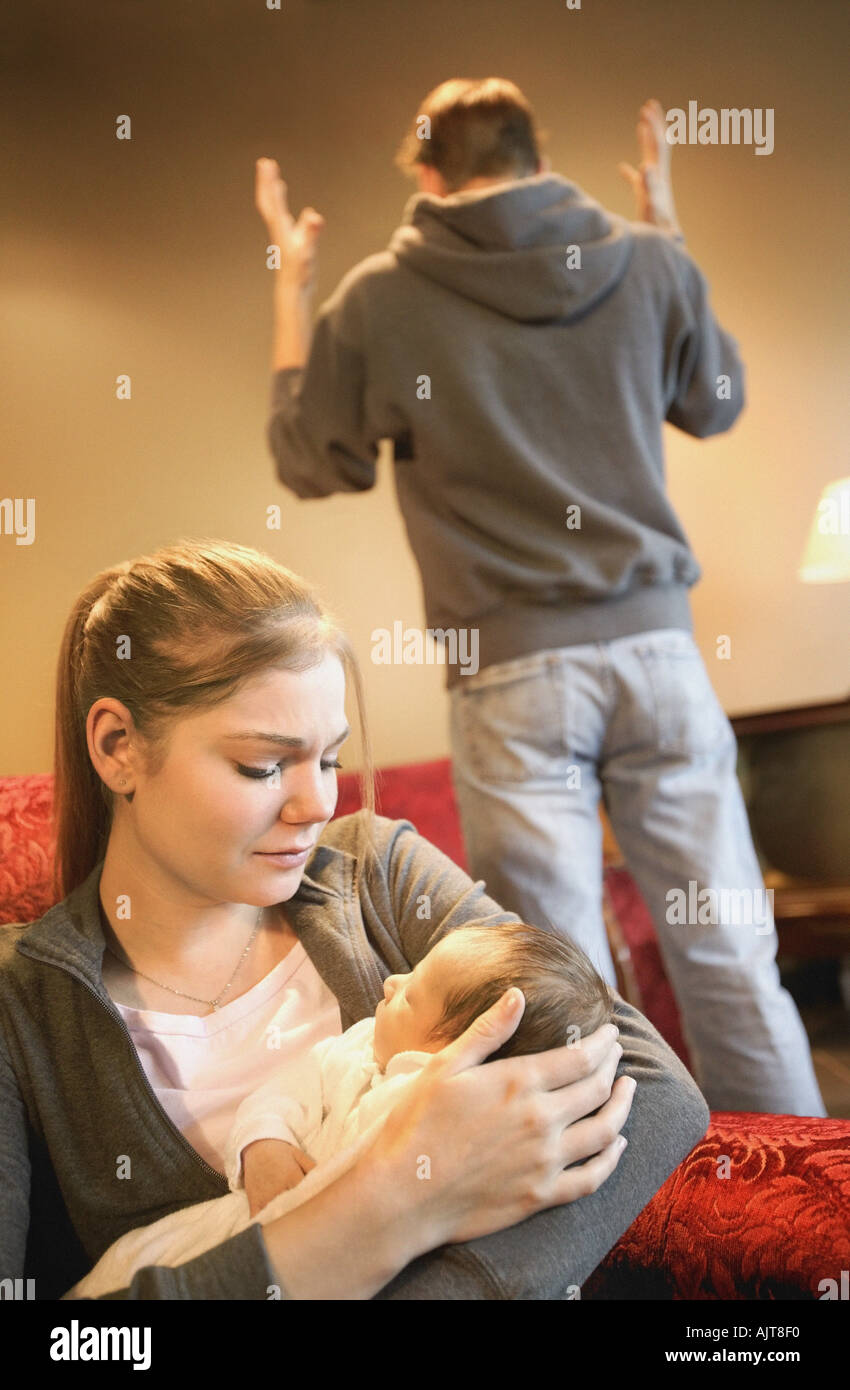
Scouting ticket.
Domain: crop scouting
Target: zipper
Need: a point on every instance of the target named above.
(114, 1014)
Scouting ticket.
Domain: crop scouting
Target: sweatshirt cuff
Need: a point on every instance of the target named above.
(260, 1127)
(238, 1269)
(285, 386)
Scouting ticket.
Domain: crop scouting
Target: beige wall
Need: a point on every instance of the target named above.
(146, 257)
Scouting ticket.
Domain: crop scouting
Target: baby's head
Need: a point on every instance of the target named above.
(469, 969)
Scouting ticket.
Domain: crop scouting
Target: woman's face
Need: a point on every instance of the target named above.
(246, 788)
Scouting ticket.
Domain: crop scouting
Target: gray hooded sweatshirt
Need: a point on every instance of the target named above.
(74, 1097)
(522, 347)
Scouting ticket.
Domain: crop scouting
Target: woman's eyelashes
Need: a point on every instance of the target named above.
(266, 774)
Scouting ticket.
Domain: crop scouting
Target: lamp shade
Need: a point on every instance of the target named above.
(826, 559)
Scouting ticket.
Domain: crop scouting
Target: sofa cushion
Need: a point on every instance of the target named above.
(26, 847)
(760, 1209)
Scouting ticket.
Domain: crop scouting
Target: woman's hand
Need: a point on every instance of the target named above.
(297, 240)
(272, 1166)
(469, 1149)
(651, 183)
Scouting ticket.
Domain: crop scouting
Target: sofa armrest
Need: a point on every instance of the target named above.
(760, 1209)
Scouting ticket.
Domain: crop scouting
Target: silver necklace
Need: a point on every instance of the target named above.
(211, 1003)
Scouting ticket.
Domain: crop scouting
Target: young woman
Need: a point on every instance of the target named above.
(213, 915)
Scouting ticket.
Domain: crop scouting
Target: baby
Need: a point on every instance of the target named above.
(331, 1102)
(346, 1083)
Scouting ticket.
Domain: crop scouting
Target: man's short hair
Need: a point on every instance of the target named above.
(478, 129)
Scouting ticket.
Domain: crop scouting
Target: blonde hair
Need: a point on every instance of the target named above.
(201, 618)
(478, 129)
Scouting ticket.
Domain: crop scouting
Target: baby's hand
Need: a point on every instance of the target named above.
(272, 1166)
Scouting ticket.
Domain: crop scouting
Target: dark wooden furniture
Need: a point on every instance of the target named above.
(812, 916)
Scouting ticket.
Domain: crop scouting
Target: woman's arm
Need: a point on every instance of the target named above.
(385, 1231)
(372, 1233)
(496, 1148)
(561, 1247)
(466, 1151)
(15, 1170)
(550, 1255)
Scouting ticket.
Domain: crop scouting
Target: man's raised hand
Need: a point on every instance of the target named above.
(297, 240)
(651, 183)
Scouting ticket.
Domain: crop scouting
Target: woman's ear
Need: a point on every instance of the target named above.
(109, 730)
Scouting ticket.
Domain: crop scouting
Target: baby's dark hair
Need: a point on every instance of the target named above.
(563, 992)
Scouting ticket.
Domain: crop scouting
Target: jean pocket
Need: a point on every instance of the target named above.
(688, 717)
(510, 728)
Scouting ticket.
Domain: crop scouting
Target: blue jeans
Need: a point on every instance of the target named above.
(536, 742)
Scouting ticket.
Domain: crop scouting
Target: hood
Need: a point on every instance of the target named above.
(506, 247)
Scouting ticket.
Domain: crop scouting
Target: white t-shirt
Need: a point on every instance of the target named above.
(201, 1069)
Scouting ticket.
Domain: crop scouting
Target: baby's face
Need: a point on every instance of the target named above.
(413, 1004)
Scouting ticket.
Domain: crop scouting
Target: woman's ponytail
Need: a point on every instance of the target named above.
(81, 811)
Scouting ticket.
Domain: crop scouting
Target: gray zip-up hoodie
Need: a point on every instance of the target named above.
(74, 1096)
(522, 347)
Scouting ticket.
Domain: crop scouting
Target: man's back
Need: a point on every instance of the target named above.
(522, 347)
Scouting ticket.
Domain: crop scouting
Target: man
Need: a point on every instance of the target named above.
(523, 348)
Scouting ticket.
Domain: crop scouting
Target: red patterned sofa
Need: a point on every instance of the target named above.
(776, 1228)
